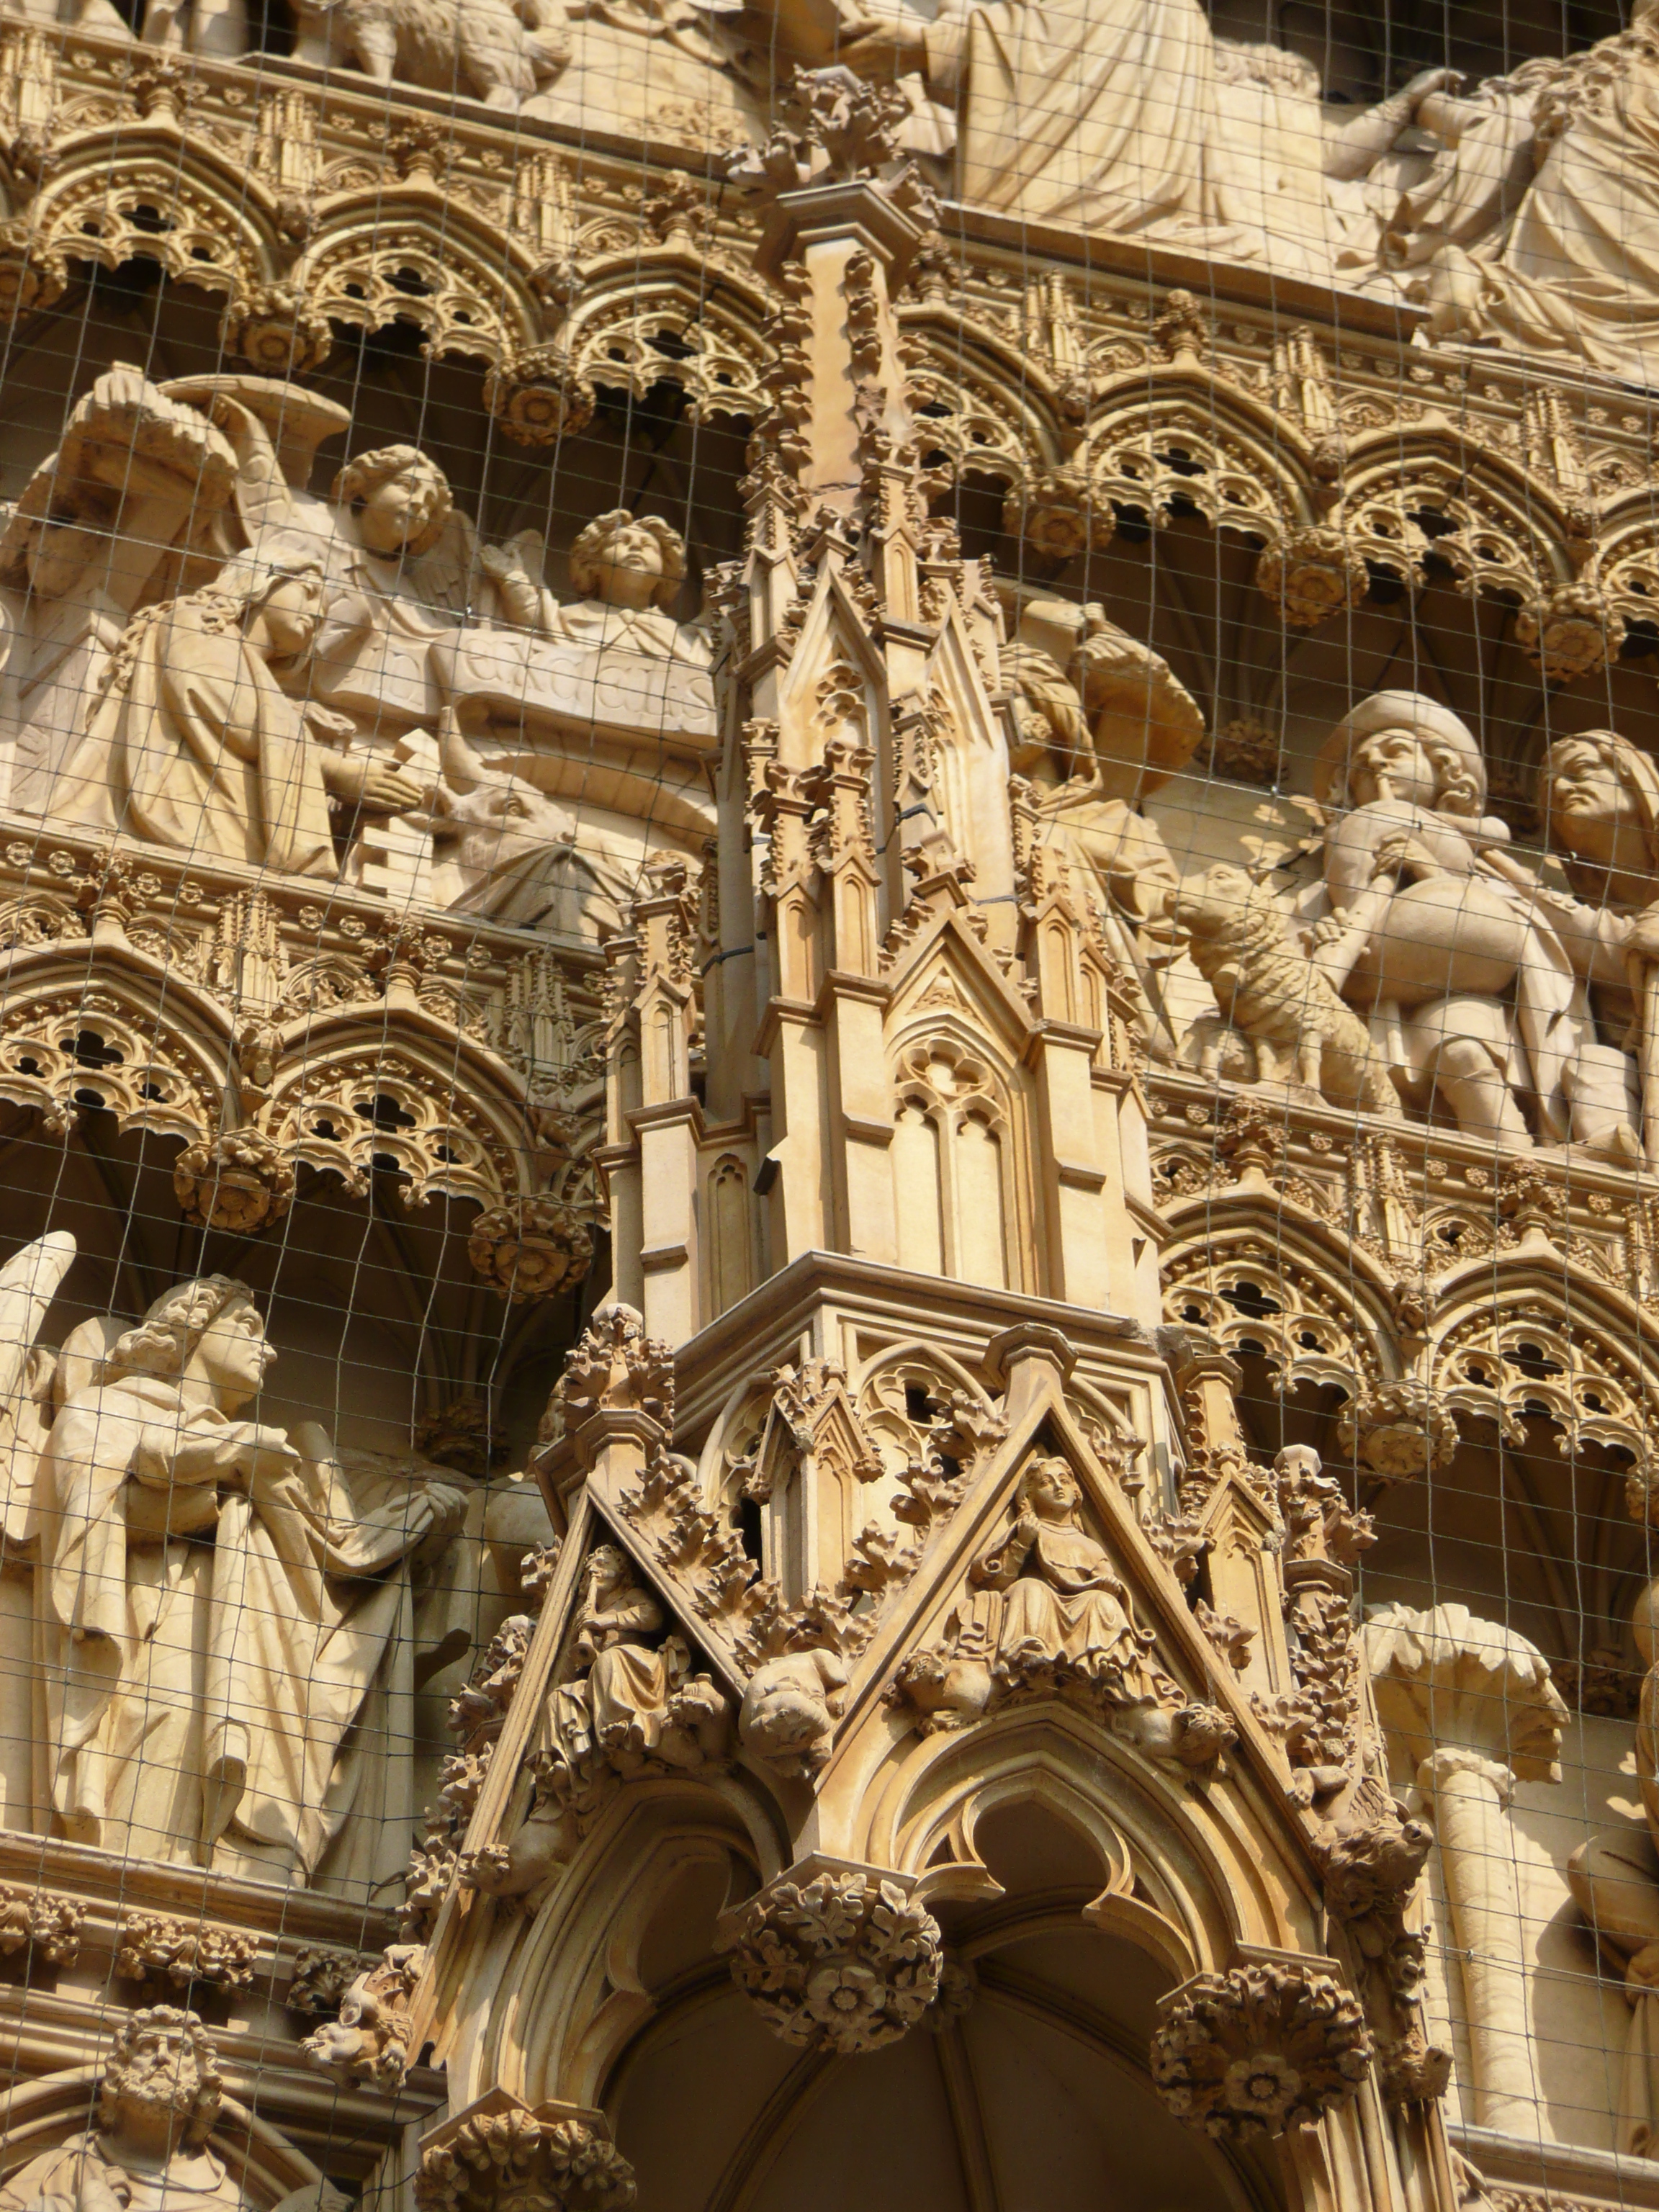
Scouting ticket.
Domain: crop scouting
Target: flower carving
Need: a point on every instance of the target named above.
(844, 1962)
(1263, 2048)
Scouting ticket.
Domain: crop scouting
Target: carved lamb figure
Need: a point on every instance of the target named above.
(500, 52)
(1280, 1020)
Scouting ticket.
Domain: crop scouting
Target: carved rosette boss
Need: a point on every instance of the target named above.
(842, 1961)
(531, 1248)
(1268, 2045)
(557, 2159)
(240, 1182)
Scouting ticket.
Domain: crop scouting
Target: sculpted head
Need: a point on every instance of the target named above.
(1049, 1489)
(160, 2083)
(401, 500)
(625, 559)
(1599, 799)
(1405, 747)
(209, 1329)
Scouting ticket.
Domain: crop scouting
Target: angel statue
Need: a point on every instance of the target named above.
(223, 1611)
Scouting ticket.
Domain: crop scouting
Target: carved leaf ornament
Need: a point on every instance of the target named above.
(843, 1963)
(1259, 2049)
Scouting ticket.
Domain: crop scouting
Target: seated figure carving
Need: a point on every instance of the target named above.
(196, 745)
(630, 1703)
(501, 51)
(1065, 1613)
(1534, 227)
(1428, 926)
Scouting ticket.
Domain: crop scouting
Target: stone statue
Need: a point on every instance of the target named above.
(631, 1705)
(1599, 798)
(1123, 152)
(629, 570)
(1065, 1613)
(216, 1701)
(501, 51)
(196, 745)
(1426, 924)
(1277, 1020)
(138, 474)
(146, 2150)
(1101, 721)
(1537, 226)
(634, 1706)
(1245, 162)
(1308, 184)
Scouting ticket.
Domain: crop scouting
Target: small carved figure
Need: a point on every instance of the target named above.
(629, 569)
(1065, 1613)
(791, 1704)
(1281, 1021)
(636, 1707)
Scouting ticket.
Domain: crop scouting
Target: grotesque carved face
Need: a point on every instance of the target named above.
(1395, 764)
(234, 1354)
(1588, 798)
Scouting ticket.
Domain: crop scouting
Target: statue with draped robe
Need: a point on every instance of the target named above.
(224, 1612)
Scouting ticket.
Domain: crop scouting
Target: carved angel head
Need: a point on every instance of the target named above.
(629, 560)
(400, 498)
(180, 1326)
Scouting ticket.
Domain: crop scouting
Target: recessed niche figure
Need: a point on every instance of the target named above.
(1428, 926)
(222, 1610)
(1065, 1613)
(196, 745)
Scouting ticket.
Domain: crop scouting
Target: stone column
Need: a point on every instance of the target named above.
(1474, 1705)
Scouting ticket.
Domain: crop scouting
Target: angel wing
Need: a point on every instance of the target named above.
(28, 1283)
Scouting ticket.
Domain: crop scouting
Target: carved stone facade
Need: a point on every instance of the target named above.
(829, 1098)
